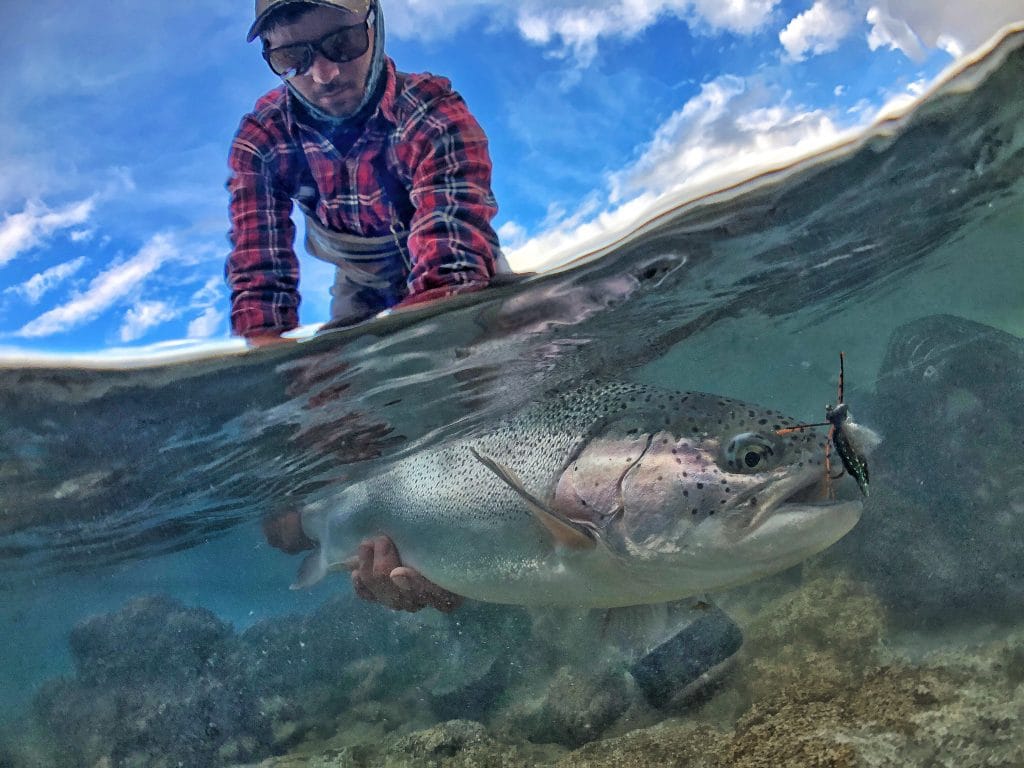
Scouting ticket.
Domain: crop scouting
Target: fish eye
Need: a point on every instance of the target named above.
(749, 452)
(753, 457)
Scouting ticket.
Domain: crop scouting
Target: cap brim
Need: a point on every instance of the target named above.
(359, 7)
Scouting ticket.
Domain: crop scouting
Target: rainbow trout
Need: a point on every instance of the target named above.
(605, 496)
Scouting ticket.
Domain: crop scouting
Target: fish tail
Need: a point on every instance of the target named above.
(312, 570)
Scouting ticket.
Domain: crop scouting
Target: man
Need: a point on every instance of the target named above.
(390, 171)
(393, 177)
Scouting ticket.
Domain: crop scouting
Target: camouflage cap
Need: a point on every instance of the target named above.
(265, 7)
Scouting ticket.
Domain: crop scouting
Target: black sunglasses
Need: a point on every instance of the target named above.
(339, 46)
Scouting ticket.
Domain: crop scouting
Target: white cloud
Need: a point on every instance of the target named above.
(911, 26)
(732, 125)
(889, 32)
(106, 289)
(576, 26)
(144, 315)
(742, 16)
(210, 299)
(82, 235)
(732, 129)
(33, 289)
(817, 30)
(511, 234)
(207, 324)
(950, 26)
(950, 45)
(23, 231)
(579, 26)
(213, 292)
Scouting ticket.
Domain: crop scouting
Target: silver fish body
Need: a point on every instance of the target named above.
(610, 495)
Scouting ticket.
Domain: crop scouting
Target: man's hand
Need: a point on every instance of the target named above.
(380, 577)
(284, 531)
(268, 340)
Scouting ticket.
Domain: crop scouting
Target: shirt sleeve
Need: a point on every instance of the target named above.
(452, 246)
(262, 270)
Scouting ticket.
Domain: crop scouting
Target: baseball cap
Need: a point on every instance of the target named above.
(266, 7)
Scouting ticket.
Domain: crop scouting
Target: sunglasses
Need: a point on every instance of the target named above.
(339, 46)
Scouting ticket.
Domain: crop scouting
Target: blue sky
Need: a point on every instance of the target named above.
(115, 119)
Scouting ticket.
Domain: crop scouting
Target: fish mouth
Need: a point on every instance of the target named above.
(797, 531)
(795, 507)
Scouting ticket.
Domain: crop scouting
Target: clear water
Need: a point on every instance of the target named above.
(901, 645)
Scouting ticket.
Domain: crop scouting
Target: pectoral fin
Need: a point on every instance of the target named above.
(566, 532)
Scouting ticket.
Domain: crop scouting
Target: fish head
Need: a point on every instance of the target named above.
(708, 491)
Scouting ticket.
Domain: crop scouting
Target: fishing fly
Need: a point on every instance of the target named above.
(852, 441)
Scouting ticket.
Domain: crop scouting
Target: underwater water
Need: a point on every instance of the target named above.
(145, 621)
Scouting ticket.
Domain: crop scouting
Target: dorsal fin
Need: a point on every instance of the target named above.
(566, 532)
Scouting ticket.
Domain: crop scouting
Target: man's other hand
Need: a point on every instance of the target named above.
(284, 531)
(380, 577)
(268, 340)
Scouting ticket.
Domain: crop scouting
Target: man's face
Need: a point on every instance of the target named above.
(336, 89)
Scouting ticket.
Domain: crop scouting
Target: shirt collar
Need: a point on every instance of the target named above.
(299, 117)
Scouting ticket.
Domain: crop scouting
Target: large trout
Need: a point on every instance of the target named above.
(605, 496)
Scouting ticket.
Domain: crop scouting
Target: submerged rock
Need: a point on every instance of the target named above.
(149, 639)
(453, 744)
(574, 708)
(157, 682)
(942, 536)
(152, 689)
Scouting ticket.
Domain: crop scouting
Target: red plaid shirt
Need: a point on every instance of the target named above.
(431, 144)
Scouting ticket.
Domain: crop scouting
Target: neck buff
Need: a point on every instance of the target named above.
(374, 80)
